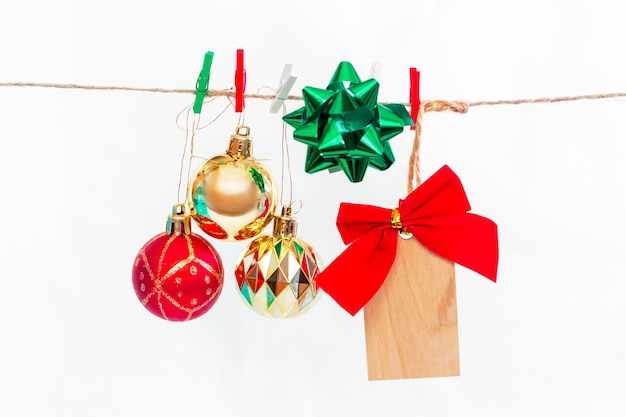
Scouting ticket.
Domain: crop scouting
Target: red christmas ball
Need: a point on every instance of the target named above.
(178, 276)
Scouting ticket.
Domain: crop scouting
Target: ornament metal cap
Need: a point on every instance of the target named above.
(179, 222)
(240, 143)
(285, 225)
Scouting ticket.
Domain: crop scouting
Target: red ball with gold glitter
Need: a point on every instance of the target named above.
(178, 275)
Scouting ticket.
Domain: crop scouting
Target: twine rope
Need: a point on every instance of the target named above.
(458, 106)
(414, 160)
(462, 107)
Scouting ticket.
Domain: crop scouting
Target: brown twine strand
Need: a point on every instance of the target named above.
(432, 105)
(444, 105)
(96, 87)
(414, 160)
(229, 92)
(547, 99)
(285, 157)
(462, 107)
(187, 110)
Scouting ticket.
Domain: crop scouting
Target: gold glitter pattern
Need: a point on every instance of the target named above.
(185, 289)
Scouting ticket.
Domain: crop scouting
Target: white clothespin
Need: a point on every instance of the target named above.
(284, 86)
(375, 70)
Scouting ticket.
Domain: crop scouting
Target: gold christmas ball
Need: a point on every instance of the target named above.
(276, 274)
(233, 196)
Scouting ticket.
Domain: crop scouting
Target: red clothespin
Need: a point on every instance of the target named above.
(414, 93)
(240, 82)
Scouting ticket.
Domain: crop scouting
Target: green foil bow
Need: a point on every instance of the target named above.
(344, 126)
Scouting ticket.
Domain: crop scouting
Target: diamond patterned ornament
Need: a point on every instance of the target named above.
(276, 274)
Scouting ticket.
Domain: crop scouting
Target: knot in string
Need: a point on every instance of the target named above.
(444, 105)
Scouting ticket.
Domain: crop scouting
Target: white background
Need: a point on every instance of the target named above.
(88, 177)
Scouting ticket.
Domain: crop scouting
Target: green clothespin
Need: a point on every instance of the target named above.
(202, 85)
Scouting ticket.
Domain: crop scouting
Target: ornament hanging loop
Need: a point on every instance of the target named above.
(298, 204)
(285, 225)
(179, 222)
(240, 143)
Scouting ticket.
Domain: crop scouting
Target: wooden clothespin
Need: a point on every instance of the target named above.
(202, 84)
(414, 94)
(284, 86)
(375, 70)
(240, 83)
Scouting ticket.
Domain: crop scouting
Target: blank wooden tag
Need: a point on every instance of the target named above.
(411, 323)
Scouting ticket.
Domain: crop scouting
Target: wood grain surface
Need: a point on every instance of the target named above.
(411, 323)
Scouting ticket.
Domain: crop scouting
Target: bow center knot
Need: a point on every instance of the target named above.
(396, 222)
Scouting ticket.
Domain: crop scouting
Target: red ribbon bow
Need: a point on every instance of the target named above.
(436, 213)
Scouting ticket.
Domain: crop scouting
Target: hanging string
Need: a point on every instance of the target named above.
(414, 179)
(285, 157)
(206, 101)
(194, 129)
(242, 118)
(414, 160)
(182, 159)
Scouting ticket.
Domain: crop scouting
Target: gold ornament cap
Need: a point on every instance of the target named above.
(285, 225)
(179, 222)
(240, 143)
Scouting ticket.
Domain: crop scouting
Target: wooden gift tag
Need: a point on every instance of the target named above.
(411, 323)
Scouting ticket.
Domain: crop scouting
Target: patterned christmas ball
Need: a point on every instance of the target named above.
(233, 196)
(276, 274)
(178, 275)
